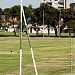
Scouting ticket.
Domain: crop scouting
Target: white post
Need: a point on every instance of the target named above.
(20, 61)
(36, 73)
(21, 42)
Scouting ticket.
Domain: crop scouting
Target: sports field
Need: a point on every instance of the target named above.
(52, 56)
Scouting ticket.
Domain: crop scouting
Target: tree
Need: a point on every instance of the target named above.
(0, 16)
(7, 13)
(30, 6)
(15, 14)
(69, 18)
(50, 16)
(72, 5)
(30, 13)
(16, 11)
(0, 11)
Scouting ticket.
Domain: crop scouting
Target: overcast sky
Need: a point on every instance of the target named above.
(10, 3)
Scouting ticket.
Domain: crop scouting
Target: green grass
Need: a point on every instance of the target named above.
(52, 56)
(11, 34)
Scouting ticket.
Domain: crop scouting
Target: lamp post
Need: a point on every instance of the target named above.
(43, 23)
(59, 22)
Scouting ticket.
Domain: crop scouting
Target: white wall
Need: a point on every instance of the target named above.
(10, 29)
(43, 31)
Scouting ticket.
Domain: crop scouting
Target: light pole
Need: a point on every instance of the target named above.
(59, 21)
(43, 23)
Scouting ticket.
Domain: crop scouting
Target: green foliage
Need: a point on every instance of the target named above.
(0, 23)
(0, 10)
(72, 5)
(50, 14)
(15, 11)
(7, 13)
(69, 17)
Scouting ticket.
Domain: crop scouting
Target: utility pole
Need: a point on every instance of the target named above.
(43, 23)
(59, 22)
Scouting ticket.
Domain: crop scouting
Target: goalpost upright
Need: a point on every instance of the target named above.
(21, 39)
(22, 14)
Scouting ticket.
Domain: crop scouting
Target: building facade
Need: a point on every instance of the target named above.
(58, 3)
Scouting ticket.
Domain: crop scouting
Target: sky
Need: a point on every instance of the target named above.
(10, 3)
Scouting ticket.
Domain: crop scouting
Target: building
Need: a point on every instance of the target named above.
(58, 3)
(41, 29)
(11, 28)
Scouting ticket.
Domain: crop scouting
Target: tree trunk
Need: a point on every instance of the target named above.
(55, 31)
(48, 31)
(36, 30)
(74, 31)
(69, 32)
(14, 29)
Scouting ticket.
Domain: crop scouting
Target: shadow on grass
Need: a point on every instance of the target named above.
(38, 36)
(7, 34)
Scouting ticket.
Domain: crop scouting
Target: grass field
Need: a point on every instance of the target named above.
(52, 56)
